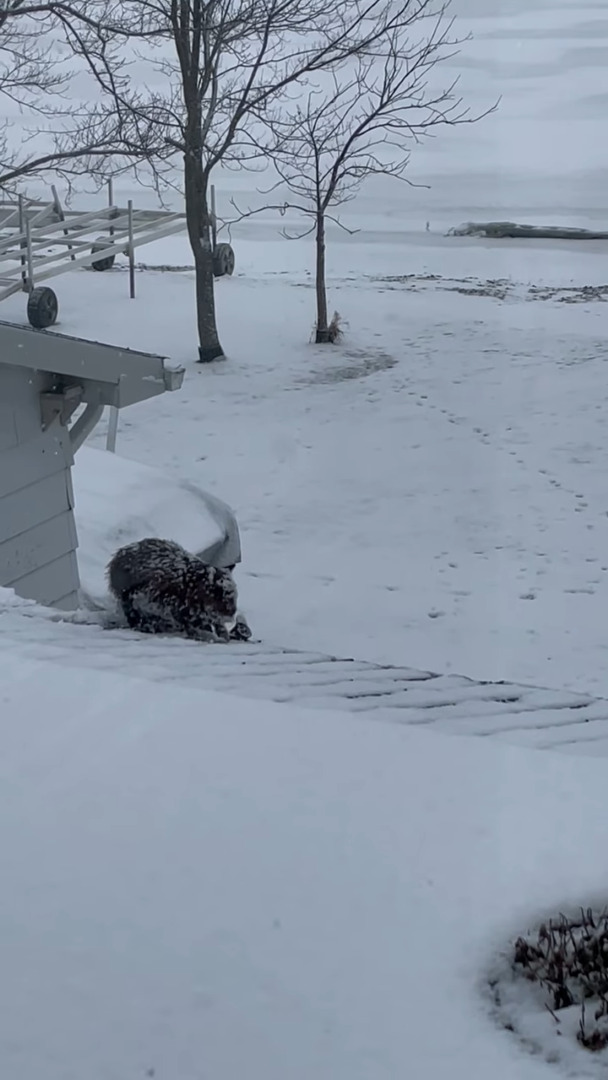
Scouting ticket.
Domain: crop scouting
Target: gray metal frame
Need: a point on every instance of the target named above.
(39, 241)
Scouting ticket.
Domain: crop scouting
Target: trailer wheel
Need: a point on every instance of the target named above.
(223, 261)
(42, 308)
(107, 262)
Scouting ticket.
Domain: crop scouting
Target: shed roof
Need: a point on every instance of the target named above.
(109, 375)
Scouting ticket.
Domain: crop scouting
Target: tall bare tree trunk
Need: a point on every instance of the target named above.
(322, 334)
(199, 234)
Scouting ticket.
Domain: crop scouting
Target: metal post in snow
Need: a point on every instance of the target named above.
(111, 202)
(29, 255)
(112, 430)
(22, 244)
(61, 216)
(131, 252)
(213, 218)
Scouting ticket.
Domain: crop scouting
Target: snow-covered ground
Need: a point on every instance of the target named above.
(197, 886)
(431, 492)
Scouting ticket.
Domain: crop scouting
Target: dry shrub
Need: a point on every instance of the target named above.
(568, 958)
(334, 330)
(333, 334)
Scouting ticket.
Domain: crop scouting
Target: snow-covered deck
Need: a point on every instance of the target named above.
(450, 704)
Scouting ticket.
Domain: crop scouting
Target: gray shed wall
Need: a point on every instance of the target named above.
(38, 538)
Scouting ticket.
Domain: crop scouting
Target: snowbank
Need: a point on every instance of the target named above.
(500, 230)
(195, 885)
(9, 599)
(119, 501)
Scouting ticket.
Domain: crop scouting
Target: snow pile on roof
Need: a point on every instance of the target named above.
(119, 501)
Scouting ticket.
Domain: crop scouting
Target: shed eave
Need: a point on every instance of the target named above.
(112, 375)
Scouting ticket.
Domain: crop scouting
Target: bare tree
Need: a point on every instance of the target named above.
(362, 121)
(36, 77)
(31, 78)
(232, 61)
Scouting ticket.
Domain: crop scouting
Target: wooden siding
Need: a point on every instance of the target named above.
(27, 507)
(37, 531)
(53, 584)
(41, 544)
(8, 428)
(37, 459)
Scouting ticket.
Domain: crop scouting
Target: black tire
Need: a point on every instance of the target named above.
(223, 261)
(108, 260)
(42, 308)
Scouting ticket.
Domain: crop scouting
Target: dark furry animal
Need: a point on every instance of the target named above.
(163, 589)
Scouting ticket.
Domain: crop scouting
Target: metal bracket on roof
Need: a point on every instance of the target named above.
(60, 404)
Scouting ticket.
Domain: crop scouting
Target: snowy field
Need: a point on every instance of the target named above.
(211, 888)
(432, 492)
